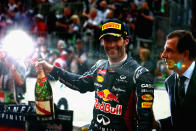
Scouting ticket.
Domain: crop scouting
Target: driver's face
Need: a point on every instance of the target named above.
(115, 47)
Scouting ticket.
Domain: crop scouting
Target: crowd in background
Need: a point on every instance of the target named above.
(67, 32)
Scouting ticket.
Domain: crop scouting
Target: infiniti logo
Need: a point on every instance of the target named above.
(122, 77)
(103, 119)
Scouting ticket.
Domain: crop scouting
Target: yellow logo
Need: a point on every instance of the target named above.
(111, 25)
(146, 104)
(100, 79)
(147, 97)
(106, 92)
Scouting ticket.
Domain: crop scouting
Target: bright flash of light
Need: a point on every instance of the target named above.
(18, 44)
(179, 65)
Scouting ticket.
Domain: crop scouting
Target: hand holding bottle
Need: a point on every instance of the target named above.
(43, 65)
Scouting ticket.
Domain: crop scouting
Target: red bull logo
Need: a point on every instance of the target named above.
(107, 108)
(106, 95)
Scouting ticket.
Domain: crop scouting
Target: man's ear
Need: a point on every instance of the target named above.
(127, 41)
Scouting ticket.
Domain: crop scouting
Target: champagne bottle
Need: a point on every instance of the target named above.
(44, 98)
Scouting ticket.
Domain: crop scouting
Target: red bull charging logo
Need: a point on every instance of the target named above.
(106, 95)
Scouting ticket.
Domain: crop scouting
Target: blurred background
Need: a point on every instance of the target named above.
(66, 29)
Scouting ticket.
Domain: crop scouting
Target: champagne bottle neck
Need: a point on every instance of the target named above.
(41, 76)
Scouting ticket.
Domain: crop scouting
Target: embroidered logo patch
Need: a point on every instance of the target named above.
(147, 97)
(111, 25)
(100, 79)
(146, 104)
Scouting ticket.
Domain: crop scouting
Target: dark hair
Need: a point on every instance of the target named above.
(186, 41)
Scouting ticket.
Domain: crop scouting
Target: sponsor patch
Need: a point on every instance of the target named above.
(147, 97)
(146, 85)
(111, 25)
(97, 84)
(107, 108)
(106, 95)
(102, 72)
(117, 89)
(100, 79)
(146, 104)
(122, 78)
(111, 70)
(147, 90)
(138, 73)
(102, 119)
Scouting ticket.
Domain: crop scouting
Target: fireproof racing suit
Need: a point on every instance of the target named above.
(123, 94)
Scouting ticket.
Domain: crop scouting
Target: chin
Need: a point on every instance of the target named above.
(113, 57)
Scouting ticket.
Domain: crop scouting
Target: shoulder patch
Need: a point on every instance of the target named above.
(140, 70)
(94, 68)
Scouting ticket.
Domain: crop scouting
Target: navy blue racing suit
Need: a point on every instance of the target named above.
(123, 94)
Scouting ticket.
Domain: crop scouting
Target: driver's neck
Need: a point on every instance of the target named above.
(117, 63)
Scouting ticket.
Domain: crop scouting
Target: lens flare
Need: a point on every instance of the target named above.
(18, 44)
(172, 64)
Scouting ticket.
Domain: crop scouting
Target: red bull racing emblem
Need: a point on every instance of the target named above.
(107, 108)
(106, 95)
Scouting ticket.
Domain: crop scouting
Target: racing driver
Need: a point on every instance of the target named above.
(123, 89)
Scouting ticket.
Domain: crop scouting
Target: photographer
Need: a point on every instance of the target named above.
(12, 79)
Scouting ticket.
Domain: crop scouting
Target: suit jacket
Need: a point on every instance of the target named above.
(181, 119)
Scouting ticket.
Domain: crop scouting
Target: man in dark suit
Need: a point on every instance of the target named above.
(179, 54)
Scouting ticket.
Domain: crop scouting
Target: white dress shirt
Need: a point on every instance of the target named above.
(188, 73)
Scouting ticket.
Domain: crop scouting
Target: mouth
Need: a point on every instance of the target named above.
(171, 63)
(111, 51)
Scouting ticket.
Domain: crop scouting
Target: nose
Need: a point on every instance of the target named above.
(113, 43)
(163, 55)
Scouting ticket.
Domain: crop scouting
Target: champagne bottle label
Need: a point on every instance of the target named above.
(44, 79)
(43, 107)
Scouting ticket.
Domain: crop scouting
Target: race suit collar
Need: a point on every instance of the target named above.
(117, 63)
